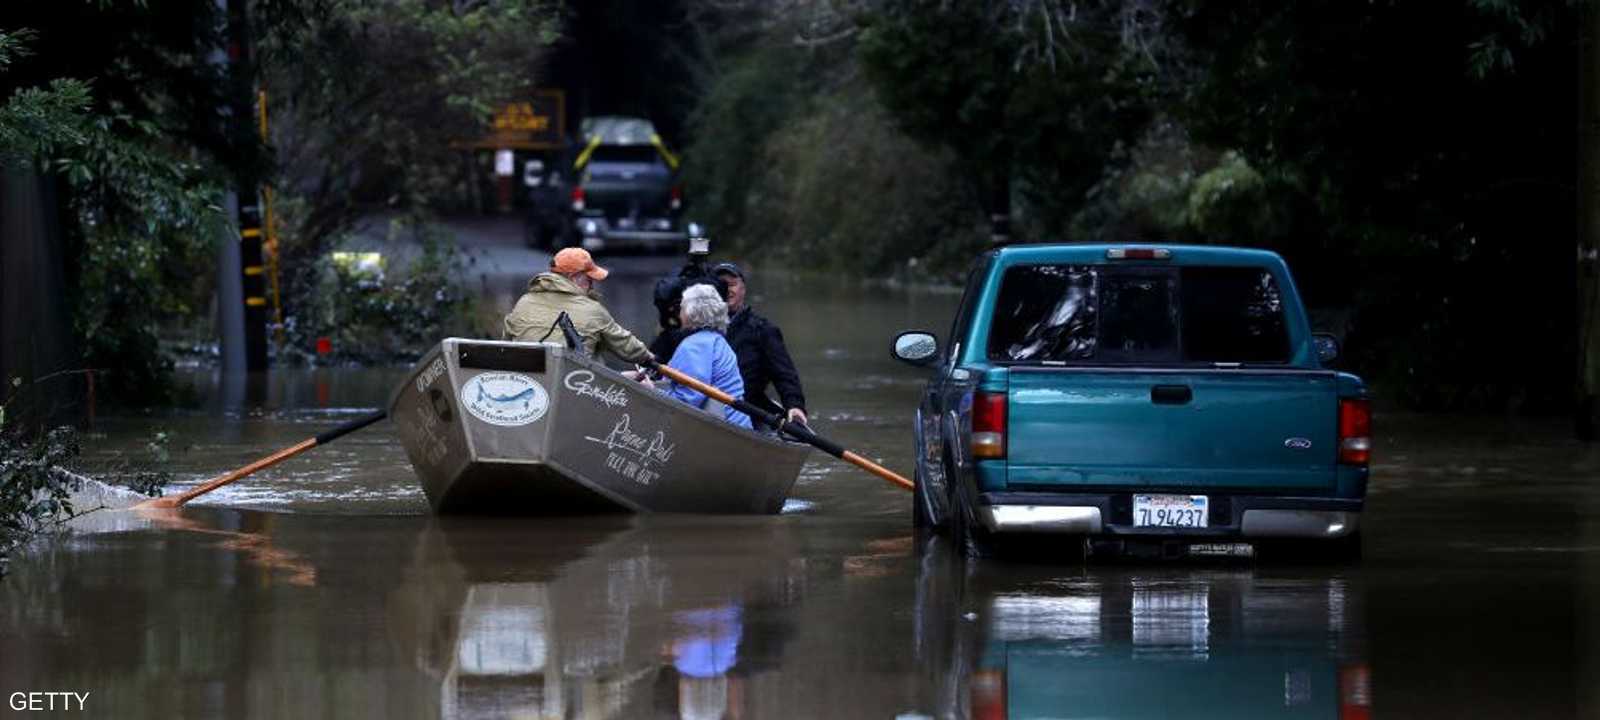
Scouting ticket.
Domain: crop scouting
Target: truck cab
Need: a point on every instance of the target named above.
(625, 190)
(1168, 397)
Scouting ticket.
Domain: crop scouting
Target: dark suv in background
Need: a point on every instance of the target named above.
(616, 189)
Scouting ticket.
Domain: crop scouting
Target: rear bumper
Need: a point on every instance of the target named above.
(616, 239)
(1234, 516)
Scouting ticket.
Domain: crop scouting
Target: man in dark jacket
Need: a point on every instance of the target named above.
(763, 358)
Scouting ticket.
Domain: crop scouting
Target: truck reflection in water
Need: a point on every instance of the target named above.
(1152, 642)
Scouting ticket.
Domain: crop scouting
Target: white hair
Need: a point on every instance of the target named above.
(704, 308)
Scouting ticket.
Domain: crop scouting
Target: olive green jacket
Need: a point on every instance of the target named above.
(548, 296)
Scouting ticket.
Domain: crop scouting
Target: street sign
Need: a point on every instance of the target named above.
(535, 123)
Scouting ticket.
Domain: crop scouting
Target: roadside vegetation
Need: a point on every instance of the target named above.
(1413, 163)
(113, 108)
(38, 485)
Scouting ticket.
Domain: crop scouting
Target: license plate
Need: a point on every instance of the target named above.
(1182, 511)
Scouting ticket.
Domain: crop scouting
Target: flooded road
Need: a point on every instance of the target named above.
(322, 588)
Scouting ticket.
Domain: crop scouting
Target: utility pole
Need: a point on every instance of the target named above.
(243, 95)
(242, 273)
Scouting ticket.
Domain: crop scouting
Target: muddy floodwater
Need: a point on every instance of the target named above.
(323, 588)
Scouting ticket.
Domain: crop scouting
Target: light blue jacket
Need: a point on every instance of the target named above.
(706, 356)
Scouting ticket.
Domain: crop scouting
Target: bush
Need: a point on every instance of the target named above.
(369, 316)
(36, 487)
(811, 171)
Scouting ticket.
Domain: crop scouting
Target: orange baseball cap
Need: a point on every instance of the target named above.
(573, 260)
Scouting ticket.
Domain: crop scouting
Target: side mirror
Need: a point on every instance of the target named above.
(916, 347)
(1327, 346)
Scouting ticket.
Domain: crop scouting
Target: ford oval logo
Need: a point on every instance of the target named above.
(1297, 444)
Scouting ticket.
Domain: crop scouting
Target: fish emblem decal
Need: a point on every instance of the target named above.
(505, 399)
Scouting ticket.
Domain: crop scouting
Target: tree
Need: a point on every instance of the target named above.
(1423, 153)
(369, 99)
(137, 214)
(1039, 92)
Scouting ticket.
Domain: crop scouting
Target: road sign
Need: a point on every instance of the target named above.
(535, 123)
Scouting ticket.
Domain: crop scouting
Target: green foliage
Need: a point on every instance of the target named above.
(35, 491)
(806, 169)
(1415, 166)
(744, 107)
(36, 487)
(1031, 98)
(140, 219)
(370, 317)
(35, 122)
(348, 144)
(848, 193)
(1228, 201)
(146, 220)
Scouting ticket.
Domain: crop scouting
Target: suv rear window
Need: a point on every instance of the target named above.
(1138, 314)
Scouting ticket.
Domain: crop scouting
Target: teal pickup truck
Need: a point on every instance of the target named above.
(1167, 400)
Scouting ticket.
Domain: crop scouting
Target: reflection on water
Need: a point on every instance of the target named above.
(611, 618)
(1144, 642)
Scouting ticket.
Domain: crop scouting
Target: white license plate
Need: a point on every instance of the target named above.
(1183, 511)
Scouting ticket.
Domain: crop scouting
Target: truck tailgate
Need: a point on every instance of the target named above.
(1267, 431)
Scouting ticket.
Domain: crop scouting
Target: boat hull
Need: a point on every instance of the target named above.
(531, 429)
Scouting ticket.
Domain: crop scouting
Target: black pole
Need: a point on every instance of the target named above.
(242, 132)
(351, 427)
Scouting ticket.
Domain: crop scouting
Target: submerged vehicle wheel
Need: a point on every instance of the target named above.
(972, 539)
(922, 504)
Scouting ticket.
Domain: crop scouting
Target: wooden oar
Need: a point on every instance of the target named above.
(795, 430)
(172, 501)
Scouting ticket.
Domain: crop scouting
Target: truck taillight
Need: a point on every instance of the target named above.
(988, 425)
(1355, 692)
(577, 199)
(1355, 432)
(989, 695)
(677, 197)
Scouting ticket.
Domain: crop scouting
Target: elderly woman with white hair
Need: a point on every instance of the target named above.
(705, 355)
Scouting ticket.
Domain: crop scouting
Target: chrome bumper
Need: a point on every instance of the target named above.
(1086, 520)
(1064, 519)
(1326, 524)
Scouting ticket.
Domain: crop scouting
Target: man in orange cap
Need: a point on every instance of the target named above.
(569, 287)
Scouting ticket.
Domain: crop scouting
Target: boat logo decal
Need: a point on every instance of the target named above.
(1297, 443)
(582, 383)
(505, 399)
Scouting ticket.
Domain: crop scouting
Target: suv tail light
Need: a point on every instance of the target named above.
(677, 197)
(1355, 432)
(577, 199)
(988, 425)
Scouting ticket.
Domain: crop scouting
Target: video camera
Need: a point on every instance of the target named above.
(669, 289)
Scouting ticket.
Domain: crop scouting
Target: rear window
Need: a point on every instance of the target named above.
(1133, 314)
